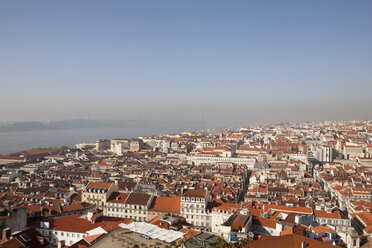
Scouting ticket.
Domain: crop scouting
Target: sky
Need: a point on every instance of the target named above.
(217, 61)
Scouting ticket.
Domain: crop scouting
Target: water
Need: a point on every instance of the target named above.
(24, 140)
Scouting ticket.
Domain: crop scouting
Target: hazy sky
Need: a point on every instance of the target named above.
(242, 61)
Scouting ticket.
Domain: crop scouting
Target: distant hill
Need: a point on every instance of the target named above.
(80, 123)
(66, 124)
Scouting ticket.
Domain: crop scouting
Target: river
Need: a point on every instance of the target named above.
(24, 140)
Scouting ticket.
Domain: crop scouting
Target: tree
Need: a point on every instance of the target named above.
(296, 149)
(189, 148)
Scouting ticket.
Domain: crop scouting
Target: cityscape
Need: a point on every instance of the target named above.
(295, 184)
(185, 124)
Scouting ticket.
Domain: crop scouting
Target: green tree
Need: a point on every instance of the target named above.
(189, 148)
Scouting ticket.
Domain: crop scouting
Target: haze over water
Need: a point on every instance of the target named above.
(24, 140)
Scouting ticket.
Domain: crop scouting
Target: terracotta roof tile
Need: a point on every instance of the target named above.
(138, 199)
(166, 204)
(99, 185)
(287, 241)
(76, 223)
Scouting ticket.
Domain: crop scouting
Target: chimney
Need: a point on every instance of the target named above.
(61, 244)
(6, 234)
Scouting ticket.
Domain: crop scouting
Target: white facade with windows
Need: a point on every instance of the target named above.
(212, 160)
(129, 209)
(55, 236)
(194, 209)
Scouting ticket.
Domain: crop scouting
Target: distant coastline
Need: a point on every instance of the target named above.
(57, 125)
(81, 131)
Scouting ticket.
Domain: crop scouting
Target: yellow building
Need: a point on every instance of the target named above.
(98, 192)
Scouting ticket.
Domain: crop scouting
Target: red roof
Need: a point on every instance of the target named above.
(79, 224)
(194, 193)
(166, 204)
(287, 241)
(99, 185)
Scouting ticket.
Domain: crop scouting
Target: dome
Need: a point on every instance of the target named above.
(352, 233)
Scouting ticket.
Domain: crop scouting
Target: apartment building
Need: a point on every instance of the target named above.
(194, 207)
(98, 192)
(132, 205)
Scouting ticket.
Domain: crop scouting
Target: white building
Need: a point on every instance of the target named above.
(194, 207)
(72, 228)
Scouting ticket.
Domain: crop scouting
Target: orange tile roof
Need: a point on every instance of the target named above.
(299, 229)
(116, 197)
(189, 232)
(166, 204)
(99, 185)
(75, 223)
(91, 238)
(194, 193)
(264, 222)
(307, 210)
(335, 214)
(287, 241)
(227, 207)
(365, 217)
(322, 229)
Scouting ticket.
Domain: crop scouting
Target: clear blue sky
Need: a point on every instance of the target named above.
(242, 61)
